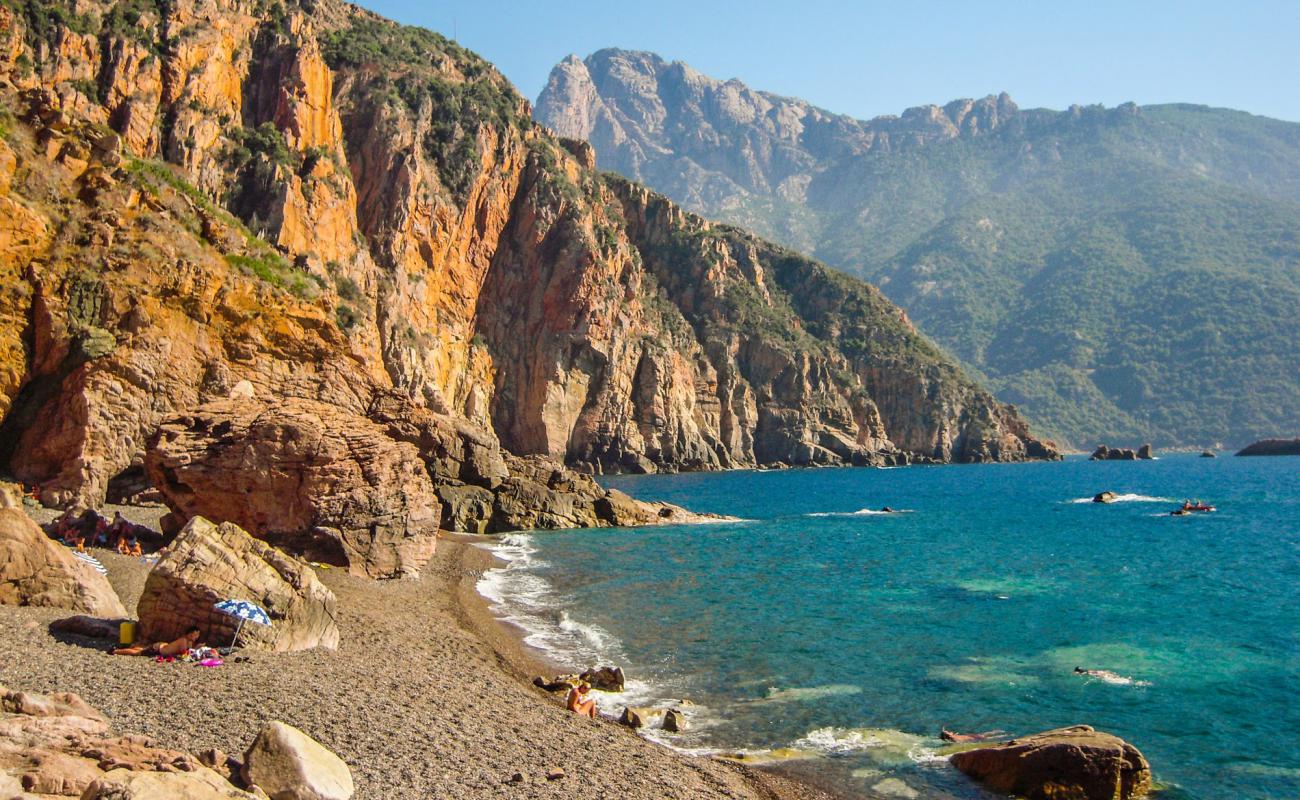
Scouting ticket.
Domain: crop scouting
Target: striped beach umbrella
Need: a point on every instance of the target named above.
(244, 611)
(92, 561)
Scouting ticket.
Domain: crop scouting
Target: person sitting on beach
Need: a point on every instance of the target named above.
(135, 549)
(173, 648)
(579, 702)
(123, 548)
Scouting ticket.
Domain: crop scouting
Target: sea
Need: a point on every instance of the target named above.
(818, 633)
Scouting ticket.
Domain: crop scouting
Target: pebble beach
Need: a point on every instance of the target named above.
(427, 696)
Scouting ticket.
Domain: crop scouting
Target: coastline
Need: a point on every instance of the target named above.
(428, 695)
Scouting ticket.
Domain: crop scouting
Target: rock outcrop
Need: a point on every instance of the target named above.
(303, 475)
(1104, 453)
(57, 745)
(209, 563)
(1272, 447)
(288, 764)
(1075, 762)
(263, 211)
(37, 571)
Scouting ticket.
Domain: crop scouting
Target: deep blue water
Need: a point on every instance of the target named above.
(854, 637)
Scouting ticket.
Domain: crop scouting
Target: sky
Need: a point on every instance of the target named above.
(872, 58)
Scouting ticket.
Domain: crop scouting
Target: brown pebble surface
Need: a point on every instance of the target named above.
(426, 697)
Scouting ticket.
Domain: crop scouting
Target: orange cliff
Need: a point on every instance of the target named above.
(339, 209)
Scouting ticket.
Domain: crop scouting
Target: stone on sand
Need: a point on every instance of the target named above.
(288, 764)
(209, 563)
(1075, 762)
(200, 784)
(37, 571)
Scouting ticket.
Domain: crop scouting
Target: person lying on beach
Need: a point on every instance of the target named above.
(949, 736)
(579, 702)
(175, 647)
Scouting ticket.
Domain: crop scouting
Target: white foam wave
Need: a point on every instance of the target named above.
(861, 512)
(1127, 498)
(1114, 679)
(884, 744)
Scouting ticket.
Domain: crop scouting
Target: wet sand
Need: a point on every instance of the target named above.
(427, 696)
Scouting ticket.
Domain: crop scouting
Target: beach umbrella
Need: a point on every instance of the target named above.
(92, 561)
(244, 611)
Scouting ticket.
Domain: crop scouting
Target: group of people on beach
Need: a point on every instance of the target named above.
(76, 529)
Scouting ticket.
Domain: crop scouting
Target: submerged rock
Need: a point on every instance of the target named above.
(1076, 762)
(209, 563)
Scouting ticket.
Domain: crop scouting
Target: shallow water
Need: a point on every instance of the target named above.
(845, 640)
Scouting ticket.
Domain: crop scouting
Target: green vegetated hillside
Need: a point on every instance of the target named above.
(1120, 274)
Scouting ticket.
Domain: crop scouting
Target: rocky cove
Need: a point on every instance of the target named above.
(300, 270)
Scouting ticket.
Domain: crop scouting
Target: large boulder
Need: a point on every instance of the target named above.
(208, 563)
(288, 764)
(37, 571)
(1075, 763)
(307, 476)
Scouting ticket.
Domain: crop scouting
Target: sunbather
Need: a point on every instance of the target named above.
(579, 702)
(175, 647)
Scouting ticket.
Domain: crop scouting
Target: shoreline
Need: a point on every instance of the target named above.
(523, 661)
(428, 695)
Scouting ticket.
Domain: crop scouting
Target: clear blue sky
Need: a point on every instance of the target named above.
(871, 58)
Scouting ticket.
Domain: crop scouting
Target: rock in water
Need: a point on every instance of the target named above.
(674, 721)
(209, 563)
(37, 571)
(1104, 497)
(290, 765)
(1144, 452)
(307, 476)
(1272, 447)
(1209, 454)
(634, 717)
(1076, 762)
(606, 679)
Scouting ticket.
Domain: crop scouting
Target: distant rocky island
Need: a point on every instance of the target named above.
(1272, 447)
(1117, 273)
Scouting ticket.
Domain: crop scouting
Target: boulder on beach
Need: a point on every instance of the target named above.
(56, 745)
(209, 563)
(306, 476)
(37, 571)
(1104, 497)
(88, 626)
(605, 679)
(560, 683)
(288, 764)
(1076, 762)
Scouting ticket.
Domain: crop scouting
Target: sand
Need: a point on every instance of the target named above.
(427, 696)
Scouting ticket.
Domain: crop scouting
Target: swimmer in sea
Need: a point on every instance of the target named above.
(1109, 677)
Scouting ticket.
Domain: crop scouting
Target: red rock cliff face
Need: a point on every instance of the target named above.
(333, 207)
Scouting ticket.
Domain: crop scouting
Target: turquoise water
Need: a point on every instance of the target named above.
(851, 638)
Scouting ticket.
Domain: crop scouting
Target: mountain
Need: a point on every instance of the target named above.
(206, 199)
(1126, 274)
